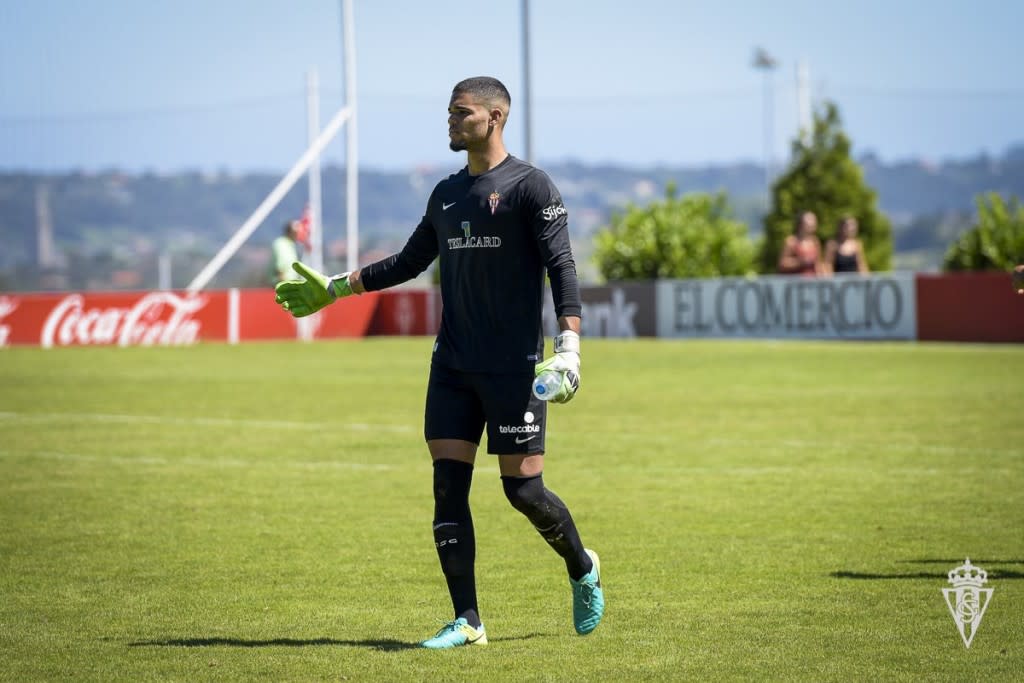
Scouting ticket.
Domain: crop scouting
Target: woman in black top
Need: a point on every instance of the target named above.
(845, 254)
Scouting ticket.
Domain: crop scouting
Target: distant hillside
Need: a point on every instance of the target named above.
(106, 221)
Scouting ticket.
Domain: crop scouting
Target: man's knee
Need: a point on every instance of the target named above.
(452, 481)
(527, 494)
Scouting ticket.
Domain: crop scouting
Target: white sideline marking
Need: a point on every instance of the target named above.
(223, 462)
(201, 421)
(895, 445)
(203, 462)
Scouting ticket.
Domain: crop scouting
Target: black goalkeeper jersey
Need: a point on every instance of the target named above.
(496, 235)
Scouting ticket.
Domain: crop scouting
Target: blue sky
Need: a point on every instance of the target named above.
(219, 84)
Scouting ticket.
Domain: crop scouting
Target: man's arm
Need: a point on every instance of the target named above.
(570, 323)
(549, 222)
(419, 252)
(355, 281)
(566, 359)
(318, 290)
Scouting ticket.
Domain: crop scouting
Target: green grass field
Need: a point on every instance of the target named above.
(763, 511)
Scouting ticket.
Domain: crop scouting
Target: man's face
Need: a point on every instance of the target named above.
(468, 123)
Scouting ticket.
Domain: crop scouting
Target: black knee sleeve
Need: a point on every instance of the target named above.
(452, 480)
(528, 495)
(542, 507)
(550, 517)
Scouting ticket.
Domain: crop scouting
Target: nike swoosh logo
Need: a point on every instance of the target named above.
(445, 207)
(520, 439)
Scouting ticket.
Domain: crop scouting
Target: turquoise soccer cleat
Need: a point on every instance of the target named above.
(455, 634)
(588, 598)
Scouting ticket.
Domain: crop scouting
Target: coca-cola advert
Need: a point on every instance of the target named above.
(171, 318)
(108, 319)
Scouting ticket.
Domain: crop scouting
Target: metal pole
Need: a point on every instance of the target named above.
(527, 108)
(767, 63)
(351, 139)
(46, 254)
(803, 99)
(769, 131)
(316, 237)
(163, 270)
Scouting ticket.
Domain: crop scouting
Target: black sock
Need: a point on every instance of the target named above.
(551, 518)
(454, 537)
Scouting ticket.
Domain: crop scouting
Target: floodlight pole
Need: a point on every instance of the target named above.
(803, 99)
(351, 139)
(316, 235)
(527, 109)
(767, 63)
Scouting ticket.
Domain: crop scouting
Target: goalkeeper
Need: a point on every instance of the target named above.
(497, 226)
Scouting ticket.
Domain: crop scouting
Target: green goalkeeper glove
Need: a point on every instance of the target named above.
(566, 361)
(309, 296)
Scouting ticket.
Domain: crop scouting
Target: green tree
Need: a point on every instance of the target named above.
(823, 178)
(995, 242)
(690, 236)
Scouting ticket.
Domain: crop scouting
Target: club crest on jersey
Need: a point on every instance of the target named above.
(465, 229)
(493, 201)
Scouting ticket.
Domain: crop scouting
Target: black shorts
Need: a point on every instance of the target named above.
(459, 404)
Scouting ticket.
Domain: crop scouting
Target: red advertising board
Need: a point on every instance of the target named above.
(170, 318)
(972, 307)
(407, 312)
(979, 307)
(259, 317)
(113, 319)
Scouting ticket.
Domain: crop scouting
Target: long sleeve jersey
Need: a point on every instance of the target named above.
(496, 235)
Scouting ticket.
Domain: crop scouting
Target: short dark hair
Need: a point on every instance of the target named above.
(488, 89)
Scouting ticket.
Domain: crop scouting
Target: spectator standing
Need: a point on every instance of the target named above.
(845, 253)
(801, 252)
(284, 251)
